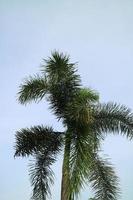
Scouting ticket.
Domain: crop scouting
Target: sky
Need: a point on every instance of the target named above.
(98, 34)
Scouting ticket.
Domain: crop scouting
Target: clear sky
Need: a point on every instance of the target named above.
(96, 33)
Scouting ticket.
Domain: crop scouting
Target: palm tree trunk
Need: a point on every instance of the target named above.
(65, 184)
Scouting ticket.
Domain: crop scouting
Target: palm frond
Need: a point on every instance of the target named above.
(31, 140)
(115, 118)
(62, 80)
(78, 165)
(85, 164)
(33, 89)
(79, 110)
(41, 174)
(87, 95)
(103, 179)
(82, 147)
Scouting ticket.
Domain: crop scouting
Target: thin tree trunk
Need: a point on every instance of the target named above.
(65, 184)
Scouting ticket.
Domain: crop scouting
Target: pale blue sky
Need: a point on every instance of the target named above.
(96, 33)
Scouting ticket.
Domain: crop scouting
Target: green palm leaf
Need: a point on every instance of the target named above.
(41, 174)
(31, 140)
(33, 89)
(44, 144)
(78, 163)
(103, 179)
(114, 118)
(62, 80)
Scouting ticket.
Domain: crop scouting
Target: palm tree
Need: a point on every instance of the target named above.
(86, 123)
